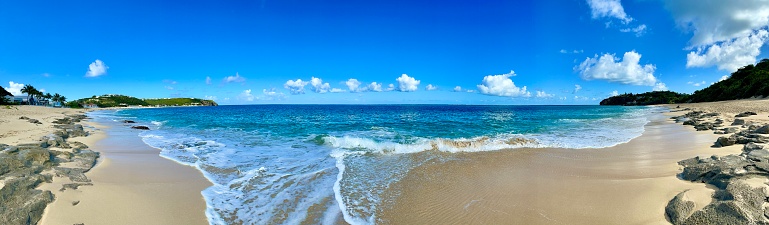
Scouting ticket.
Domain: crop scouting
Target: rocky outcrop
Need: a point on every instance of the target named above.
(746, 114)
(24, 166)
(140, 127)
(736, 200)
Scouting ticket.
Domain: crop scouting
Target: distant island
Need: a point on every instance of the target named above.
(747, 82)
(114, 100)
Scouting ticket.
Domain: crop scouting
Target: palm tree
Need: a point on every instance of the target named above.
(30, 91)
(56, 98)
(48, 97)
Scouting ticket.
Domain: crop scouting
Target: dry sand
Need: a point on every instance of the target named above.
(132, 184)
(626, 184)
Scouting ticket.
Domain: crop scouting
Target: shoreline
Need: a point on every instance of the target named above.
(132, 184)
(630, 183)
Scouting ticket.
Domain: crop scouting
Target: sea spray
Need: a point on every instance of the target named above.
(295, 163)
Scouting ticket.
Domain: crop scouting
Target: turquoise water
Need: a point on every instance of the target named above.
(288, 164)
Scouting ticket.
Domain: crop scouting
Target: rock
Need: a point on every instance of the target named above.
(738, 122)
(746, 114)
(763, 130)
(73, 186)
(726, 141)
(38, 156)
(34, 121)
(690, 122)
(74, 203)
(24, 118)
(21, 202)
(129, 121)
(140, 127)
(730, 130)
(78, 145)
(679, 209)
(56, 141)
(751, 147)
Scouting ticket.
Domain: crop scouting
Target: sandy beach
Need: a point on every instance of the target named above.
(130, 183)
(629, 183)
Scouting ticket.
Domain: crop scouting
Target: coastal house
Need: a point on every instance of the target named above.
(21, 99)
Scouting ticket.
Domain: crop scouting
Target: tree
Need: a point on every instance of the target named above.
(56, 98)
(48, 97)
(30, 91)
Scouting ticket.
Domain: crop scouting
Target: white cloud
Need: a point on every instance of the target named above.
(610, 68)
(96, 68)
(660, 87)
(210, 97)
(613, 93)
(563, 98)
(271, 94)
(169, 87)
(470, 91)
(717, 20)
(336, 90)
(696, 84)
(608, 9)
(723, 78)
(14, 88)
(318, 86)
(374, 86)
(457, 89)
(208, 80)
(42, 90)
(406, 83)
(502, 85)
(727, 34)
(46, 74)
(729, 55)
(295, 87)
(431, 87)
(246, 96)
(236, 78)
(581, 98)
(354, 85)
(169, 81)
(577, 87)
(640, 30)
(542, 94)
(390, 87)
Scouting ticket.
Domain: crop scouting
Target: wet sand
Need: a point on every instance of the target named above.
(132, 184)
(626, 184)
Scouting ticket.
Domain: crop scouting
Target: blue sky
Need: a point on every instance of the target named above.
(253, 52)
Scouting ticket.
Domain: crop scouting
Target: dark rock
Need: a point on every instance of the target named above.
(73, 186)
(140, 127)
(726, 141)
(763, 130)
(34, 121)
(74, 203)
(129, 121)
(746, 114)
(679, 209)
(690, 122)
(738, 122)
(24, 118)
(751, 147)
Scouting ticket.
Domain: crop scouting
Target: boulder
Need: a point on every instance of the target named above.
(679, 209)
(746, 114)
(129, 121)
(24, 118)
(726, 141)
(34, 121)
(738, 122)
(762, 130)
(140, 127)
(751, 147)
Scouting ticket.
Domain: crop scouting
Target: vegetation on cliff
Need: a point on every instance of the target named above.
(747, 82)
(112, 100)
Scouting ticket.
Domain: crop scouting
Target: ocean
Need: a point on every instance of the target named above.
(321, 164)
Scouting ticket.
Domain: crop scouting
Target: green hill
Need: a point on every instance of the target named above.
(112, 100)
(648, 98)
(747, 82)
